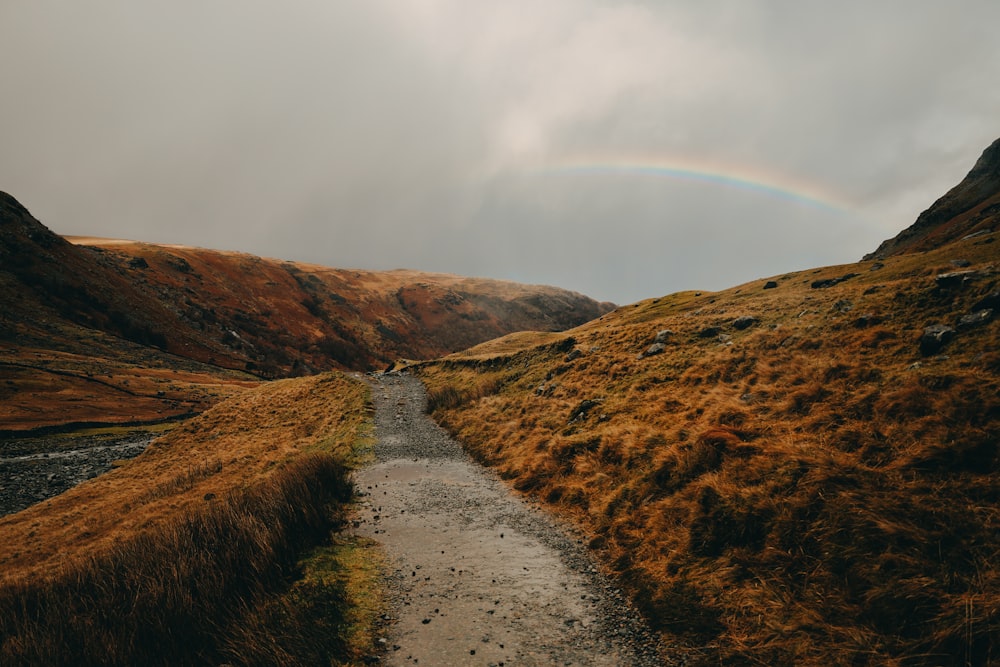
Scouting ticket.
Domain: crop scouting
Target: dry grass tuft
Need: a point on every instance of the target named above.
(809, 489)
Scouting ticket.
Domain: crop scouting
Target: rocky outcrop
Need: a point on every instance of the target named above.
(934, 338)
(971, 207)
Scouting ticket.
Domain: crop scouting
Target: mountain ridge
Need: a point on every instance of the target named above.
(971, 207)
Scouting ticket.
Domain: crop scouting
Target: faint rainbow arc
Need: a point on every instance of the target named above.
(773, 186)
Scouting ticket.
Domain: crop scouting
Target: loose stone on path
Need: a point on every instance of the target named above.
(480, 577)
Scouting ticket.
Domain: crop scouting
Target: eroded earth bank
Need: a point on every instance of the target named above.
(477, 576)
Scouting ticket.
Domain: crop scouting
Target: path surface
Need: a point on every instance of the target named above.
(480, 578)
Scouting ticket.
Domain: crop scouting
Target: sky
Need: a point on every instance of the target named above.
(625, 150)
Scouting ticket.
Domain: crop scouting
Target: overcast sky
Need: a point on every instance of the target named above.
(622, 149)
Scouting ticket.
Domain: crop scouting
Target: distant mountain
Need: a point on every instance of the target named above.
(971, 207)
(69, 310)
(278, 318)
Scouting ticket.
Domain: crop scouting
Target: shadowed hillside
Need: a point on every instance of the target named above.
(800, 470)
(122, 332)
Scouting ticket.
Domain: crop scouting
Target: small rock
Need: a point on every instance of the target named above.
(770, 284)
(573, 354)
(934, 338)
(581, 410)
(867, 320)
(830, 282)
(992, 300)
(975, 319)
(655, 348)
(663, 336)
(877, 266)
(981, 232)
(710, 332)
(961, 263)
(744, 322)
(955, 279)
(843, 306)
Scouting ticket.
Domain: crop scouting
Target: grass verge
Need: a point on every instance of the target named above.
(194, 563)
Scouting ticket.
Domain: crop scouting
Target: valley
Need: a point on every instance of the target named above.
(798, 470)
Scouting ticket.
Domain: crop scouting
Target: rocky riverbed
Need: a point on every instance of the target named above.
(34, 469)
(478, 576)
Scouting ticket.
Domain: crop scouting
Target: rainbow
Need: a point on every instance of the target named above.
(755, 180)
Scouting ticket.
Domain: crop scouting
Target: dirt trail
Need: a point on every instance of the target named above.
(480, 577)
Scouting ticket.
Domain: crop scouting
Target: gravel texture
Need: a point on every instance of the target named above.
(34, 469)
(479, 576)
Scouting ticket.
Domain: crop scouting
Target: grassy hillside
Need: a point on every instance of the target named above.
(787, 472)
(278, 318)
(118, 332)
(197, 550)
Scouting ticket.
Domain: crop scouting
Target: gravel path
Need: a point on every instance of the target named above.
(479, 577)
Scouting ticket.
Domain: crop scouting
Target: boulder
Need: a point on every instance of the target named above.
(655, 348)
(867, 320)
(830, 282)
(976, 319)
(934, 338)
(770, 284)
(955, 279)
(581, 410)
(663, 336)
(991, 300)
(744, 322)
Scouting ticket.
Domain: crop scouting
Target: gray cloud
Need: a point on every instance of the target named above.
(429, 133)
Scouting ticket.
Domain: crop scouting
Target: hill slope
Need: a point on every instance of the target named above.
(802, 470)
(289, 318)
(971, 207)
(117, 331)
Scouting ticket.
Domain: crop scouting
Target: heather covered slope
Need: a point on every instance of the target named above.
(802, 470)
(282, 318)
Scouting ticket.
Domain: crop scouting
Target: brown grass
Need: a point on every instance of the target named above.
(171, 557)
(808, 490)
